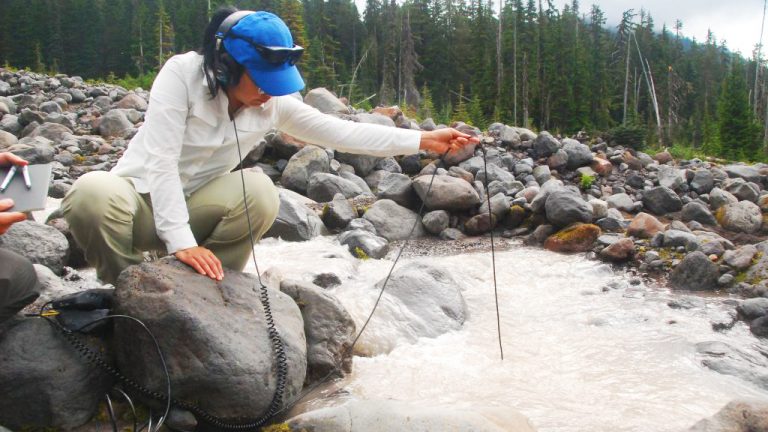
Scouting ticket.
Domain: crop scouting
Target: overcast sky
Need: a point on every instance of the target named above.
(735, 21)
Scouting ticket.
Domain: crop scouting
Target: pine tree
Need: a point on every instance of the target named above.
(738, 132)
(461, 113)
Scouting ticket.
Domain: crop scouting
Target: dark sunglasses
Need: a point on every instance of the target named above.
(276, 55)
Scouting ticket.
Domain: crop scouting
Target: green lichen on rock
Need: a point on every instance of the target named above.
(360, 253)
(282, 427)
(575, 238)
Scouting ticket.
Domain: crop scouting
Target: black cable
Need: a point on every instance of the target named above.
(491, 218)
(351, 347)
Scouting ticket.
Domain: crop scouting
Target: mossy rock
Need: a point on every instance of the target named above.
(515, 217)
(575, 238)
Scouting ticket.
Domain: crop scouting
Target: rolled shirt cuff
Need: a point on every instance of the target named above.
(178, 239)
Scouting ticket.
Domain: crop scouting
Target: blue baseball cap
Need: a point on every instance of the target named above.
(267, 30)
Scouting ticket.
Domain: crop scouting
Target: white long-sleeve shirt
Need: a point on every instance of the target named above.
(188, 139)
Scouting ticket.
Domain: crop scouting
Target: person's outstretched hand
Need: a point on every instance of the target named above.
(202, 260)
(9, 218)
(446, 139)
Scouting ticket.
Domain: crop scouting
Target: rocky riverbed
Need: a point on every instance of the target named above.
(693, 225)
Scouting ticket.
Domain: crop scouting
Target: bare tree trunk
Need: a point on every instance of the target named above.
(499, 64)
(525, 91)
(757, 59)
(626, 84)
(514, 69)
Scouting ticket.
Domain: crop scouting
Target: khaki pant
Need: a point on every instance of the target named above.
(114, 224)
(18, 283)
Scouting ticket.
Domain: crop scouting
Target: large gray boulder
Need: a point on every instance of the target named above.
(323, 186)
(743, 216)
(328, 327)
(214, 335)
(495, 172)
(132, 101)
(703, 181)
(696, 272)
(538, 202)
(740, 415)
(41, 244)
(662, 200)
(302, 165)
(7, 139)
(564, 207)
(45, 383)
(338, 213)
(436, 221)
(621, 201)
(748, 173)
(363, 244)
(697, 211)
(545, 145)
(325, 101)
(447, 193)
(742, 190)
(398, 188)
(719, 197)
(579, 154)
(295, 221)
(114, 124)
(388, 415)
(52, 131)
(671, 177)
(429, 298)
(393, 221)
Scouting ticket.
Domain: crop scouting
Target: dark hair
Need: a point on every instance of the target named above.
(221, 70)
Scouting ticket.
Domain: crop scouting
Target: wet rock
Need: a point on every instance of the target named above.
(620, 251)
(695, 273)
(565, 207)
(394, 222)
(45, 383)
(295, 221)
(373, 415)
(728, 360)
(753, 308)
(499, 206)
(743, 216)
(697, 211)
(576, 238)
(233, 376)
(739, 415)
(662, 200)
(436, 221)
(451, 234)
(302, 165)
(540, 199)
(398, 188)
(447, 193)
(364, 244)
(324, 186)
(328, 327)
(479, 224)
(339, 213)
(644, 225)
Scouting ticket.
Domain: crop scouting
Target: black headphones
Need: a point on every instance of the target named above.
(224, 64)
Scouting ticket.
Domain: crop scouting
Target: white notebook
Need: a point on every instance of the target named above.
(25, 199)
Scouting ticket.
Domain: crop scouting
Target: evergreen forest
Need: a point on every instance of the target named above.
(532, 65)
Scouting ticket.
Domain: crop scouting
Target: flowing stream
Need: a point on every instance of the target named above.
(577, 356)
